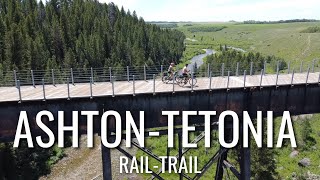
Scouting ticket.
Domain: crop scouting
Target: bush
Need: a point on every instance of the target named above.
(308, 140)
(206, 28)
(22, 162)
(314, 29)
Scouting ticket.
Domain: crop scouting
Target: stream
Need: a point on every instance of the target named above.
(199, 58)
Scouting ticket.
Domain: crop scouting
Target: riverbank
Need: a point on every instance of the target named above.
(199, 58)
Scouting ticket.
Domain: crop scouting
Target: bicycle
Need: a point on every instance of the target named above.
(166, 78)
(185, 80)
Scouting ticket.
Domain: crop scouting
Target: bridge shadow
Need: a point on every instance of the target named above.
(185, 86)
(189, 86)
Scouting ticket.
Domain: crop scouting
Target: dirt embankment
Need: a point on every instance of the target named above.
(86, 163)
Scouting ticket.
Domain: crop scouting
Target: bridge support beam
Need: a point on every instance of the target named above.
(2, 173)
(245, 163)
(219, 170)
(106, 163)
(180, 153)
(224, 151)
(244, 159)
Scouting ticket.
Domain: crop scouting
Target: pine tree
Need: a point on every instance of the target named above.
(62, 34)
(263, 164)
(307, 140)
(94, 34)
(2, 40)
(14, 50)
(69, 60)
(1, 73)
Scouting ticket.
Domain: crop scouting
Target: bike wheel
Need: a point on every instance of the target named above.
(177, 79)
(165, 79)
(182, 82)
(194, 82)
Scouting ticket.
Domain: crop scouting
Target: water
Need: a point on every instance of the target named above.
(199, 58)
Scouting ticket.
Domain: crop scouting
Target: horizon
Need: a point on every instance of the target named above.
(220, 10)
(230, 21)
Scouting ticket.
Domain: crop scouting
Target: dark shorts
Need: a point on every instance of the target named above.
(185, 75)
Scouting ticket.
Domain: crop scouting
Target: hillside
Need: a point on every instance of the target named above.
(266, 163)
(283, 40)
(80, 34)
(63, 34)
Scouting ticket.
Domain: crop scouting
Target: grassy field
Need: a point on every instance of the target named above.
(282, 40)
(286, 166)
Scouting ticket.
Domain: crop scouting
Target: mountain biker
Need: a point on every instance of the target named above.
(185, 73)
(171, 70)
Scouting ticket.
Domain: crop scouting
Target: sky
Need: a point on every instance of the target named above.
(221, 10)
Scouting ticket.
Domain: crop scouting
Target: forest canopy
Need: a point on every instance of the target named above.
(80, 34)
(73, 33)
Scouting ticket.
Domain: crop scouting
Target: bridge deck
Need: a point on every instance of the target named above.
(60, 91)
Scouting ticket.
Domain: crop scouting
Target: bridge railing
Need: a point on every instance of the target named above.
(105, 74)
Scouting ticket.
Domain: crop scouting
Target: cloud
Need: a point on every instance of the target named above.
(206, 10)
(220, 10)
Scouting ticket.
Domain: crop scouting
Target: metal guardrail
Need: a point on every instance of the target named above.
(112, 74)
(61, 76)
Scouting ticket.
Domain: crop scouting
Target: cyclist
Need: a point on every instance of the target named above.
(171, 70)
(185, 73)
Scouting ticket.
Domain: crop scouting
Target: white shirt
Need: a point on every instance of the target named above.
(185, 70)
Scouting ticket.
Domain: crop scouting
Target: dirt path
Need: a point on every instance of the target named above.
(308, 46)
(84, 163)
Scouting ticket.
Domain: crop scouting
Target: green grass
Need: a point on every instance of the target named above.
(314, 29)
(283, 40)
(286, 165)
(188, 55)
(194, 29)
(57, 154)
(158, 146)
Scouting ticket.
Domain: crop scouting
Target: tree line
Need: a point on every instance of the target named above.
(167, 25)
(280, 21)
(194, 29)
(231, 57)
(80, 34)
